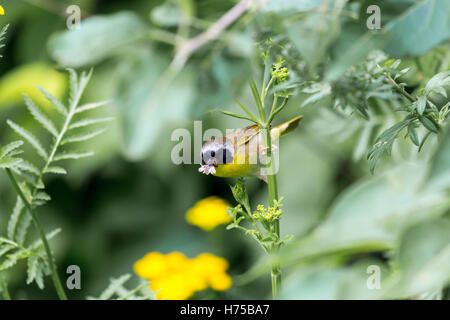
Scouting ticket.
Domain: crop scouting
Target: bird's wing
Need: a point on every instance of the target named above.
(242, 136)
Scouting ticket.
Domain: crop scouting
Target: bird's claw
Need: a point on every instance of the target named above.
(263, 149)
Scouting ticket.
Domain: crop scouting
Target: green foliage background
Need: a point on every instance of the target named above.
(131, 199)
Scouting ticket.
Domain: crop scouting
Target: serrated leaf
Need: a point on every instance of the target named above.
(12, 258)
(89, 122)
(38, 243)
(14, 219)
(28, 167)
(113, 286)
(6, 150)
(5, 249)
(40, 116)
(41, 195)
(30, 138)
(65, 156)
(22, 228)
(59, 106)
(32, 268)
(7, 162)
(73, 77)
(91, 106)
(82, 137)
(384, 142)
(56, 170)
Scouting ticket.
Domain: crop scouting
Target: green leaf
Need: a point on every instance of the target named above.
(89, 122)
(28, 167)
(82, 137)
(384, 142)
(421, 104)
(54, 101)
(40, 116)
(55, 170)
(7, 162)
(423, 258)
(440, 164)
(14, 219)
(437, 83)
(115, 284)
(30, 138)
(433, 29)
(76, 48)
(256, 96)
(91, 106)
(32, 269)
(427, 123)
(413, 134)
(290, 5)
(38, 243)
(13, 258)
(6, 150)
(73, 155)
(22, 228)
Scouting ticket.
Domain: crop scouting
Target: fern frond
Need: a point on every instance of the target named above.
(38, 243)
(22, 228)
(82, 137)
(6, 150)
(89, 122)
(117, 291)
(28, 167)
(14, 219)
(91, 106)
(54, 101)
(56, 170)
(30, 138)
(2, 36)
(73, 78)
(13, 258)
(32, 269)
(7, 162)
(75, 155)
(40, 116)
(5, 248)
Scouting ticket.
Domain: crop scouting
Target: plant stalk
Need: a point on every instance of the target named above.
(273, 195)
(37, 224)
(5, 291)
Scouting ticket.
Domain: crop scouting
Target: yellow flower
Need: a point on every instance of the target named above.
(208, 213)
(176, 277)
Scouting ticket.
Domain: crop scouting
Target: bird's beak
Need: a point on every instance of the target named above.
(212, 162)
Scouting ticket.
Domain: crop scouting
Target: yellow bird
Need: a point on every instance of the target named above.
(237, 153)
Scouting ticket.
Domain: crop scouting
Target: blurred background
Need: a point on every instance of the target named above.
(130, 199)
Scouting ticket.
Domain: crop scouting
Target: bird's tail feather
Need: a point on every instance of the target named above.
(285, 128)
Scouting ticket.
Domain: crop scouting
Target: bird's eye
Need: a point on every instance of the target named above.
(225, 155)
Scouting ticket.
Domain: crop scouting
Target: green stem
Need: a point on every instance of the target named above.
(400, 89)
(273, 195)
(5, 291)
(37, 224)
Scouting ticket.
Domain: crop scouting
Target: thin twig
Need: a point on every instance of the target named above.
(40, 230)
(189, 47)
